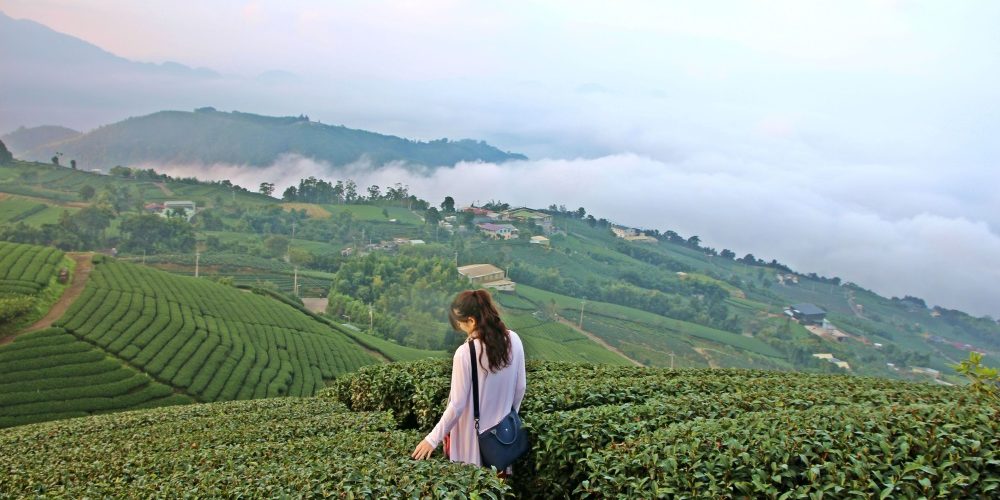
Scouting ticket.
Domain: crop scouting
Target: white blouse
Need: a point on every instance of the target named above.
(498, 393)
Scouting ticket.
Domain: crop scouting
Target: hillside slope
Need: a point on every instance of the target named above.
(207, 136)
(25, 139)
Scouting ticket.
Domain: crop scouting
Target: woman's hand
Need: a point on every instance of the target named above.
(423, 450)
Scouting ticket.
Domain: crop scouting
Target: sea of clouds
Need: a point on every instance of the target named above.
(919, 241)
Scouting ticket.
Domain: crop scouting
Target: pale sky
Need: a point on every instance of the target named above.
(849, 138)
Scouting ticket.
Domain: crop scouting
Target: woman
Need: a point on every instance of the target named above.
(501, 378)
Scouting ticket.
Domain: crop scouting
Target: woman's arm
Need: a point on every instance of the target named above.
(520, 382)
(458, 399)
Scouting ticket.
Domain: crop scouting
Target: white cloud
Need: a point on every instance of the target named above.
(948, 260)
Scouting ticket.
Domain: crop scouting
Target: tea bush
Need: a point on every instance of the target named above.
(209, 340)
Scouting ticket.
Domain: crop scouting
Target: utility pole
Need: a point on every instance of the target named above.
(671, 360)
(582, 303)
(295, 281)
(371, 320)
(197, 257)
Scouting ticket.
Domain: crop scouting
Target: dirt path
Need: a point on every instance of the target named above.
(704, 354)
(163, 187)
(83, 268)
(599, 340)
(317, 306)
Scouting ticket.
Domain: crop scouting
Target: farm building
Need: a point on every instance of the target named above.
(806, 314)
(487, 276)
(624, 232)
(525, 215)
(498, 231)
(539, 240)
(188, 208)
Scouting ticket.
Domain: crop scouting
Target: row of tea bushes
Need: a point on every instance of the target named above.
(26, 269)
(51, 374)
(909, 451)
(271, 448)
(607, 431)
(212, 341)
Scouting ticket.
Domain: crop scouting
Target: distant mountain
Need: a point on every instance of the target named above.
(25, 139)
(207, 136)
(51, 77)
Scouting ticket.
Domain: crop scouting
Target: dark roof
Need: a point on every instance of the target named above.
(808, 309)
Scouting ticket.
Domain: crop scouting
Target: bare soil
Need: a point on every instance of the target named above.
(78, 280)
(599, 340)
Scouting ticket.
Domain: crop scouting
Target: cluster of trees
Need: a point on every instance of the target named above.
(413, 289)
(86, 230)
(700, 303)
(313, 190)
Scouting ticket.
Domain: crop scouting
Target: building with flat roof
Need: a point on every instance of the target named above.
(806, 314)
(487, 276)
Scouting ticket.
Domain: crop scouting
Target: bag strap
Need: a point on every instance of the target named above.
(475, 384)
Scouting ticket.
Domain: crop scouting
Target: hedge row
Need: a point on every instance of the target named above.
(26, 269)
(262, 448)
(580, 413)
(212, 341)
(913, 451)
(51, 374)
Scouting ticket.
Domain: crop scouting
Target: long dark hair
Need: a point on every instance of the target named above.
(492, 331)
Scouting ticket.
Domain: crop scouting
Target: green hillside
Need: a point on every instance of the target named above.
(212, 341)
(29, 284)
(207, 137)
(669, 303)
(50, 374)
(598, 431)
(25, 139)
(26, 269)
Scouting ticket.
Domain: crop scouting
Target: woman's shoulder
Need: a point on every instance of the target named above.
(514, 338)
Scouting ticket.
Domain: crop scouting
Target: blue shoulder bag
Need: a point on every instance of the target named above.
(502, 444)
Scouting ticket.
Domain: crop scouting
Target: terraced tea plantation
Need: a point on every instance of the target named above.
(625, 432)
(26, 269)
(268, 448)
(211, 341)
(598, 432)
(51, 374)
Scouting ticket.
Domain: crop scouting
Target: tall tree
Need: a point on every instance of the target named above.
(266, 188)
(448, 205)
(432, 216)
(5, 156)
(350, 191)
(87, 192)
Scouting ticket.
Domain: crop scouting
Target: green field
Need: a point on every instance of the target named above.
(650, 333)
(51, 374)
(26, 269)
(374, 213)
(210, 341)
(550, 341)
(16, 209)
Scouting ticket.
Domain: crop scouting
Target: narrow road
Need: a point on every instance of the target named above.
(79, 279)
(704, 354)
(163, 187)
(599, 340)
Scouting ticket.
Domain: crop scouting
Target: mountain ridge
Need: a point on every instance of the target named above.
(209, 136)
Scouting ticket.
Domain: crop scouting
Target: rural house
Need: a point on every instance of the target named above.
(806, 314)
(498, 231)
(487, 276)
(527, 215)
(188, 208)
